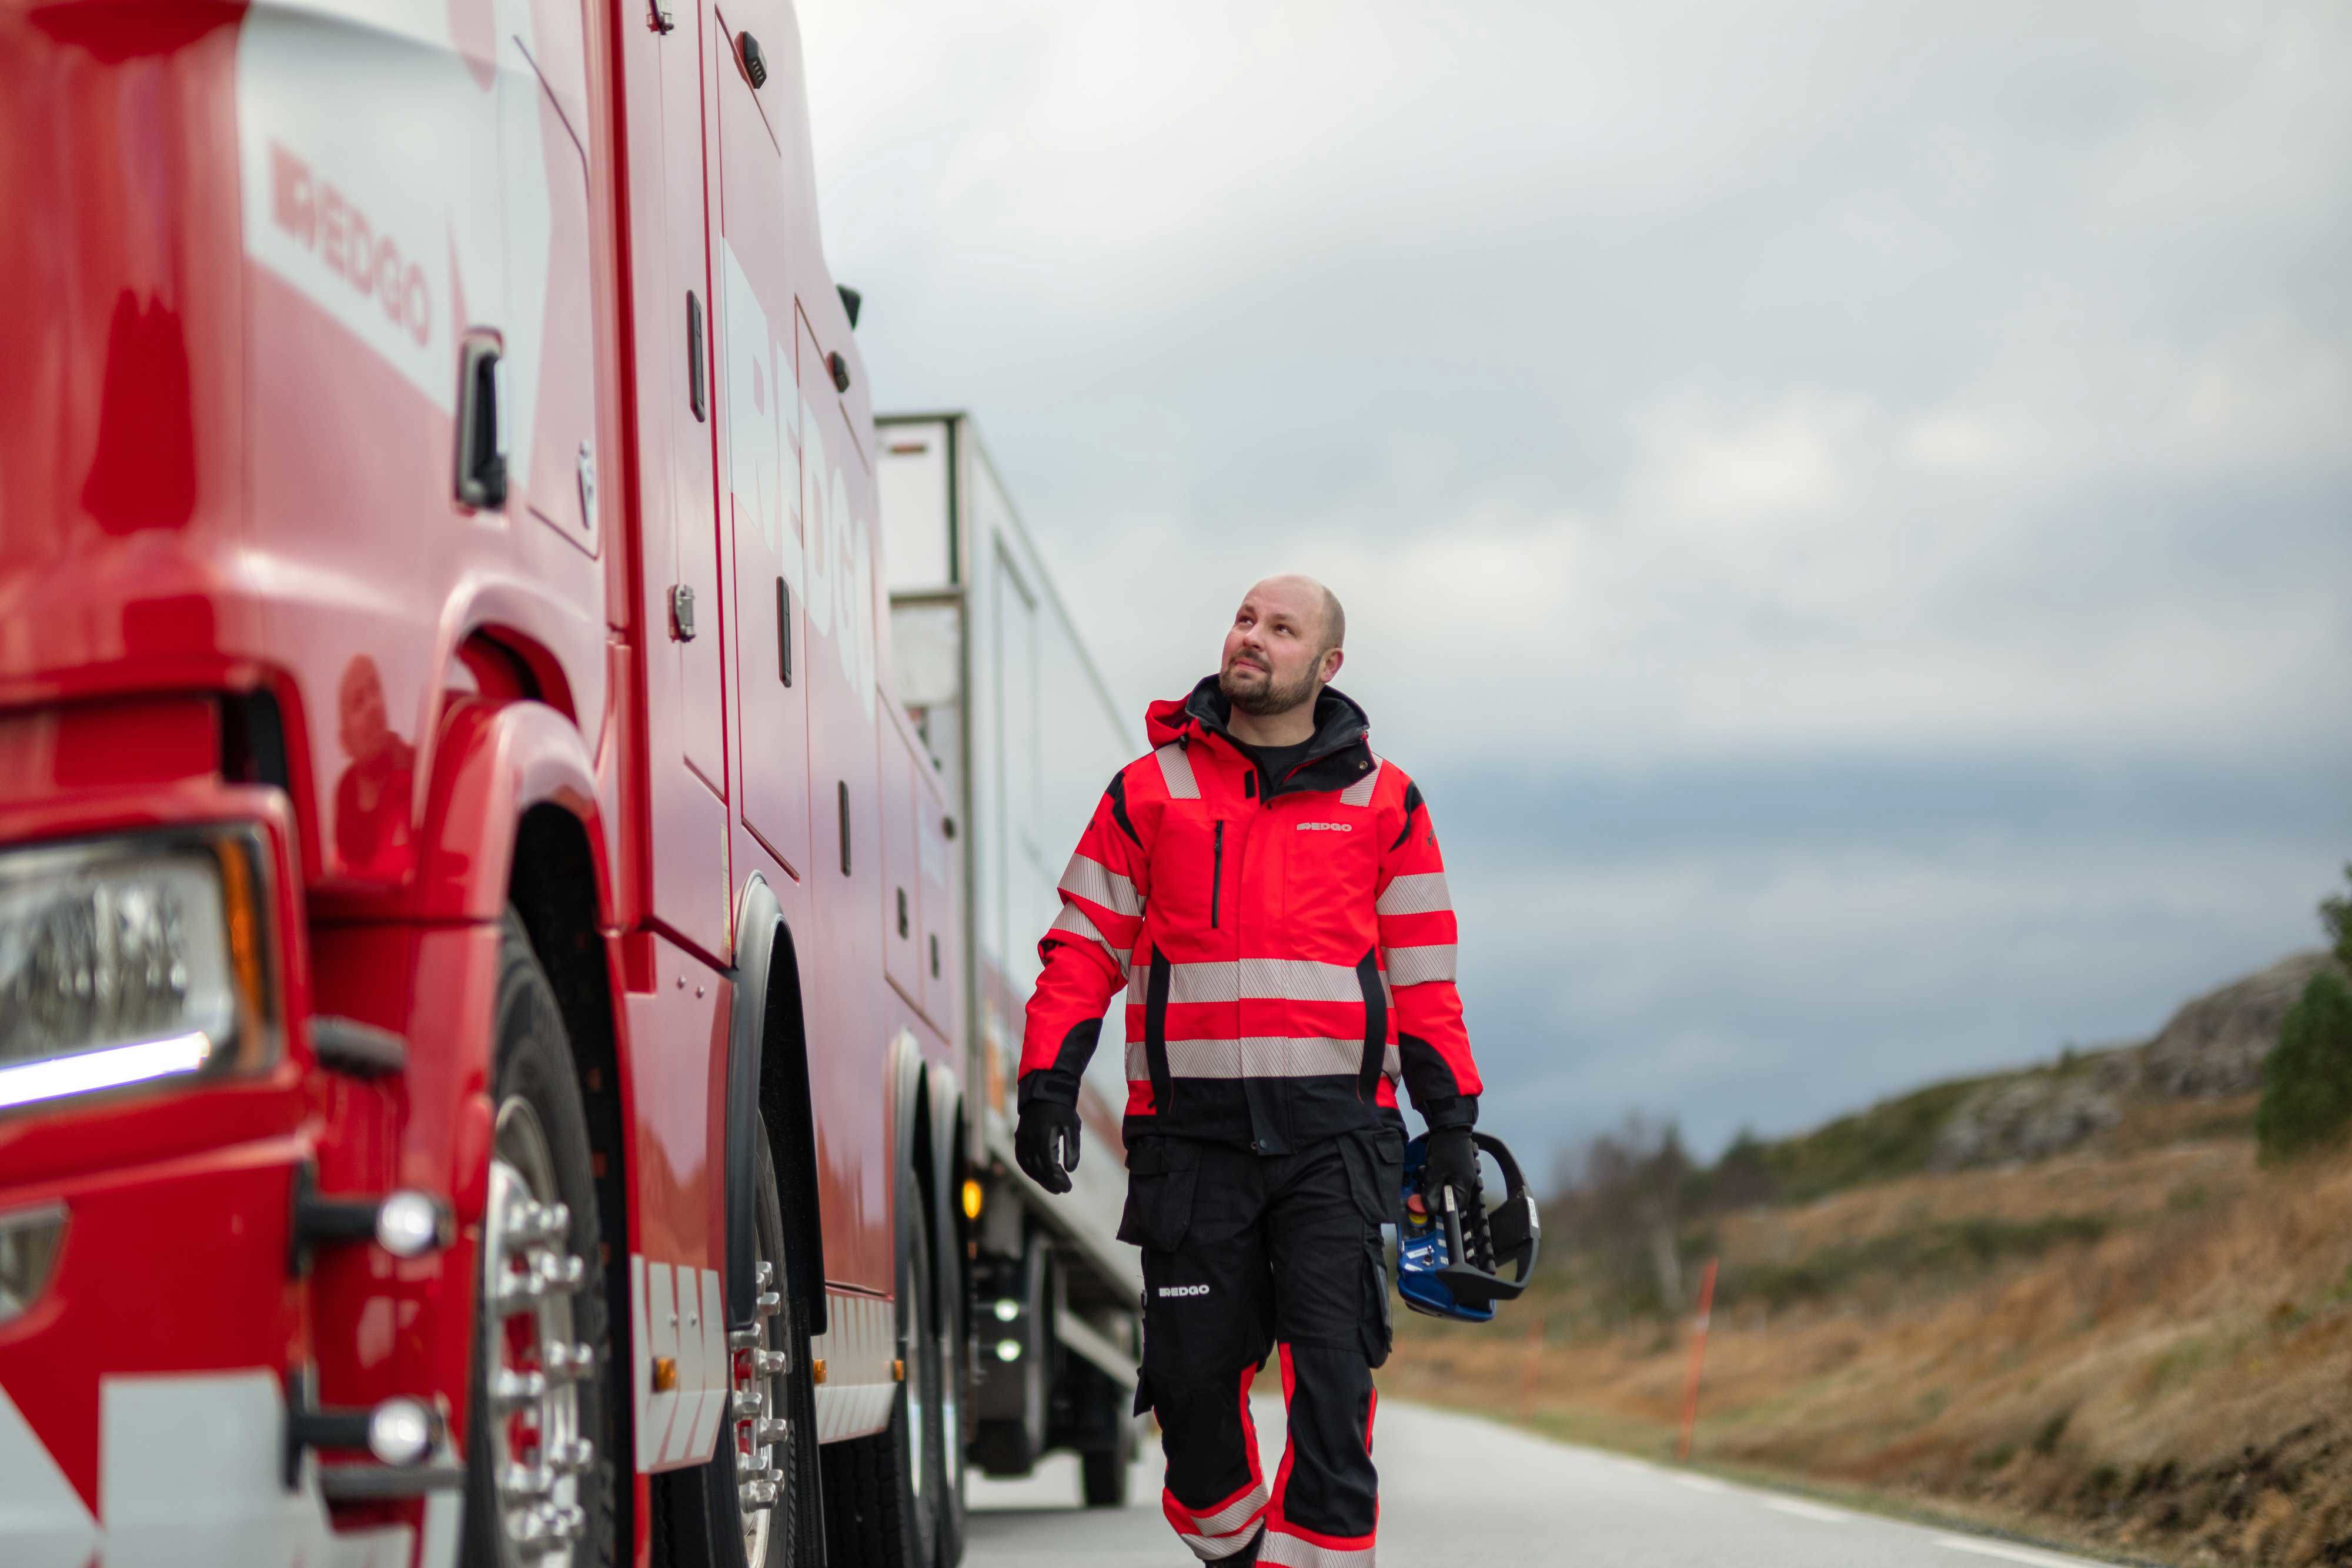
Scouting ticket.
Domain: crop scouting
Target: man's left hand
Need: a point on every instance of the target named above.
(1450, 1160)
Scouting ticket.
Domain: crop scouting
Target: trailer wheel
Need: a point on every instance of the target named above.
(1102, 1473)
(755, 1504)
(539, 1477)
(879, 1497)
(1106, 1437)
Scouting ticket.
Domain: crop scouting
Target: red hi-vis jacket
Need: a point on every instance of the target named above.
(1287, 945)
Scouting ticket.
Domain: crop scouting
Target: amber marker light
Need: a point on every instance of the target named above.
(971, 1198)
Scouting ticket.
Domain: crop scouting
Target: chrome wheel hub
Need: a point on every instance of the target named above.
(757, 1411)
(530, 1275)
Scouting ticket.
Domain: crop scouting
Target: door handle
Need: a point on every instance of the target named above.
(481, 464)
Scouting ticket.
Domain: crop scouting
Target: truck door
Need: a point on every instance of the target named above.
(550, 353)
(687, 887)
(759, 423)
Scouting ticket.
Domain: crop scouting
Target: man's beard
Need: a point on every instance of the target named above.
(1266, 701)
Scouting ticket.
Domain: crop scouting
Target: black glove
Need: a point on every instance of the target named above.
(1450, 1159)
(1045, 1141)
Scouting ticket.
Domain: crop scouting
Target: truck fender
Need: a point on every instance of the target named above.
(767, 1069)
(493, 764)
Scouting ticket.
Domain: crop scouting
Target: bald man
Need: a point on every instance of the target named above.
(1271, 895)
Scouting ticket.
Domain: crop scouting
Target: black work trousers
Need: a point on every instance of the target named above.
(1244, 1253)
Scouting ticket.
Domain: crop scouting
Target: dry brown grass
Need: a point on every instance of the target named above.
(2180, 1388)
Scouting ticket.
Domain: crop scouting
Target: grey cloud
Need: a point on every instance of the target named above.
(1781, 461)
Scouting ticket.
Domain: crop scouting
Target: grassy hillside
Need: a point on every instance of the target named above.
(1892, 1138)
(2144, 1345)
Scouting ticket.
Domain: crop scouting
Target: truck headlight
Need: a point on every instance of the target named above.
(123, 960)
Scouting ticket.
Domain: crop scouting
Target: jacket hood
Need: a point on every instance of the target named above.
(1341, 728)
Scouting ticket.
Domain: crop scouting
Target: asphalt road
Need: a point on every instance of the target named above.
(1455, 1489)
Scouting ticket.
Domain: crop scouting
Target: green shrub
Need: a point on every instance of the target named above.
(2307, 1080)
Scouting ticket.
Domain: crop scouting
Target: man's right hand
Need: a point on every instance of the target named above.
(1045, 1141)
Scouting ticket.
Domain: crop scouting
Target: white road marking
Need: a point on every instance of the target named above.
(1700, 1483)
(1811, 1511)
(2012, 1553)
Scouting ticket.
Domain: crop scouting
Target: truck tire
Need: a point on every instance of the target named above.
(878, 1497)
(540, 1476)
(1106, 1453)
(722, 1514)
(951, 1336)
(1103, 1475)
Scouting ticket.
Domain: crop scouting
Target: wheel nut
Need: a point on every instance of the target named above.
(511, 1390)
(525, 1480)
(771, 1362)
(569, 1363)
(572, 1457)
(750, 1404)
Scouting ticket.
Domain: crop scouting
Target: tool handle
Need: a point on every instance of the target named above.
(1453, 1228)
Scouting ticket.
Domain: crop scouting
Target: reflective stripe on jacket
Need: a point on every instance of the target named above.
(1287, 945)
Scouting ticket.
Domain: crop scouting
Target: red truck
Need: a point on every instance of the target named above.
(478, 1063)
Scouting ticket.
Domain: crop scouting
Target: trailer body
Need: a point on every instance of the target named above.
(1023, 732)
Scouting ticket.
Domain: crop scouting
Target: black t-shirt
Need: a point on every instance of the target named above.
(1275, 761)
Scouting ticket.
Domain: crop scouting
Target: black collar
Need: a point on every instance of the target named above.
(1339, 753)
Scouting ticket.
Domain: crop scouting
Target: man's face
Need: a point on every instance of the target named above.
(1273, 651)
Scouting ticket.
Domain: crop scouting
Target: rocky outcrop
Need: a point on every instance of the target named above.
(2029, 1117)
(2215, 1045)
(2212, 1047)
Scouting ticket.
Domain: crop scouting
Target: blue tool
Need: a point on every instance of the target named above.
(1447, 1262)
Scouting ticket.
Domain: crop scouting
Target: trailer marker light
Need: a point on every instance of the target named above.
(1008, 1350)
(1007, 1309)
(972, 1191)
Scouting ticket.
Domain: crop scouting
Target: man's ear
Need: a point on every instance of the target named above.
(1332, 660)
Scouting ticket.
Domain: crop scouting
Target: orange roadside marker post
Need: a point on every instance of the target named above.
(1698, 1359)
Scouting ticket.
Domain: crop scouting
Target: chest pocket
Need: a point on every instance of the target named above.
(1185, 875)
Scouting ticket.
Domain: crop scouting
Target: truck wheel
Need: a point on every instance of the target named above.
(879, 1498)
(952, 1340)
(754, 1505)
(539, 1477)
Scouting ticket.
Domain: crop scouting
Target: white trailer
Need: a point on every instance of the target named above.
(1025, 735)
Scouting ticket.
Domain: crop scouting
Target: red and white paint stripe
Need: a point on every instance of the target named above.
(190, 1476)
(858, 1346)
(678, 1312)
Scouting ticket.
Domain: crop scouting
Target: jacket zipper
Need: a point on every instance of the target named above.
(1217, 878)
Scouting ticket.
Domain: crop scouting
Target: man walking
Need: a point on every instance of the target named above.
(1271, 895)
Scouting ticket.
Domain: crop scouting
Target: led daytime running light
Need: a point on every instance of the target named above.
(97, 1069)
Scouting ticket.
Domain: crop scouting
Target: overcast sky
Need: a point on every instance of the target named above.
(1846, 509)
